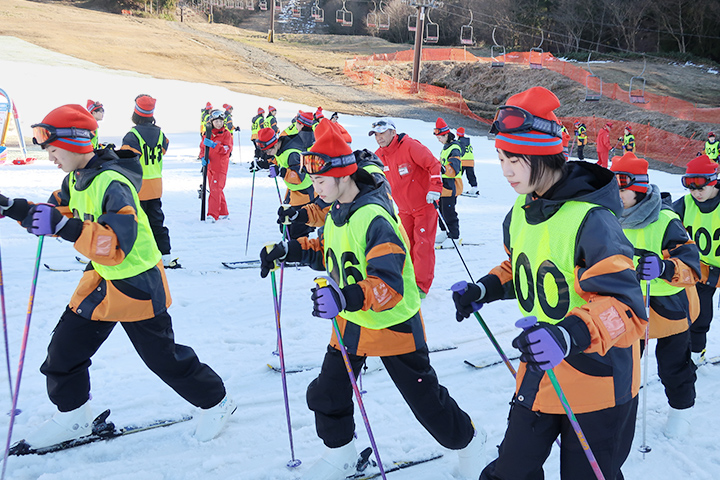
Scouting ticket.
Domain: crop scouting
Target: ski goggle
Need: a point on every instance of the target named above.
(215, 114)
(45, 134)
(512, 119)
(697, 182)
(626, 180)
(317, 163)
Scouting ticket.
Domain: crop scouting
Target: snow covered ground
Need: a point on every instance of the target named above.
(227, 315)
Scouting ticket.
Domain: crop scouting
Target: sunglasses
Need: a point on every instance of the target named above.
(45, 134)
(317, 163)
(512, 119)
(626, 180)
(698, 182)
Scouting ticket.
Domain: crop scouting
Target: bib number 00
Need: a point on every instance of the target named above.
(536, 287)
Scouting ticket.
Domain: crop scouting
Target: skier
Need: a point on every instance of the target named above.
(468, 162)
(570, 266)
(271, 119)
(699, 213)
(98, 112)
(377, 306)
(565, 142)
(581, 134)
(317, 116)
(228, 117)
(204, 116)
(220, 144)
(451, 170)
(603, 145)
(286, 152)
(628, 139)
(257, 124)
(147, 140)
(414, 176)
(670, 261)
(98, 210)
(712, 147)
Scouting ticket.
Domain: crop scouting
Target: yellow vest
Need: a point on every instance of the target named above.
(704, 229)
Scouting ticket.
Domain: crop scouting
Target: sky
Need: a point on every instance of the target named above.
(227, 316)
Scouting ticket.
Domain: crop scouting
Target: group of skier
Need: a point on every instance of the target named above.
(584, 244)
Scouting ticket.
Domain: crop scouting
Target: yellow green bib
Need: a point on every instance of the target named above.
(150, 157)
(282, 160)
(704, 229)
(445, 154)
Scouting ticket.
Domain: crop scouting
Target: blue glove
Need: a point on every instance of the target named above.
(204, 161)
(650, 266)
(273, 172)
(328, 300)
(209, 143)
(468, 298)
(44, 219)
(543, 345)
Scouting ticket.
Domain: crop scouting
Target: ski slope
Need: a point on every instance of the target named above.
(227, 316)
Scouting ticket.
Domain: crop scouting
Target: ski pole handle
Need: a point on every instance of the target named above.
(268, 248)
(461, 287)
(286, 206)
(321, 282)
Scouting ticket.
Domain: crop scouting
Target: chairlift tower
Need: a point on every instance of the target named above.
(422, 6)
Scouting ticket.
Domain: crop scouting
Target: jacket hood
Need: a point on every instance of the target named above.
(581, 182)
(125, 162)
(341, 212)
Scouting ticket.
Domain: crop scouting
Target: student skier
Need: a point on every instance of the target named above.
(628, 139)
(98, 210)
(581, 134)
(570, 266)
(468, 162)
(220, 144)
(257, 123)
(699, 213)
(98, 112)
(149, 142)
(669, 260)
(712, 147)
(373, 295)
(271, 119)
(451, 171)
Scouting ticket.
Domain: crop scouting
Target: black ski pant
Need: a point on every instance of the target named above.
(156, 217)
(470, 174)
(76, 339)
(447, 208)
(581, 152)
(330, 396)
(675, 369)
(530, 436)
(701, 326)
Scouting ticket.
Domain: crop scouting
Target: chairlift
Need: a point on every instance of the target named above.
(383, 19)
(537, 53)
(240, 4)
(637, 94)
(262, 5)
(466, 32)
(371, 19)
(412, 22)
(318, 13)
(278, 5)
(593, 85)
(250, 6)
(432, 30)
(297, 11)
(344, 16)
(497, 50)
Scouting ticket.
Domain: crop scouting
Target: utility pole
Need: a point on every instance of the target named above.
(422, 6)
(271, 32)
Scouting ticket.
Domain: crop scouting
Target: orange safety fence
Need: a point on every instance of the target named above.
(650, 142)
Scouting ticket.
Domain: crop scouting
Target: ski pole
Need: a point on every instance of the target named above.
(444, 227)
(526, 323)
(278, 191)
(645, 448)
(23, 347)
(322, 282)
(252, 195)
(5, 333)
(294, 462)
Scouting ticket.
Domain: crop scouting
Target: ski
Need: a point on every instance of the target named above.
(491, 364)
(84, 261)
(394, 467)
(471, 195)
(252, 264)
(101, 430)
(438, 246)
(71, 269)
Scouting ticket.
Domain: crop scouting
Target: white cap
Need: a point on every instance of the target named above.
(382, 125)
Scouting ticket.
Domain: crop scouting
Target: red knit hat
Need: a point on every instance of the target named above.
(305, 118)
(261, 111)
(72, 116)
(461, 132)
(227, 106)
(701, 165)
(441, 128)
(628, 127)
(271, 109)
(540, 102)
(330, 141)
(267, 137)
(711, 134)
(319, 113)
(92, 105)
(145, 105)
(630, 164)
(208, 106)
(608, 124)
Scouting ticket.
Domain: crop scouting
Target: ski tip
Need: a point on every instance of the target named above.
(20, 448)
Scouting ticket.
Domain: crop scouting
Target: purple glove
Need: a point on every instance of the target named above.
(650, 266)
(468, 298)
(209, 143)
(273, 171)
(44, 219)
(543, 345)
(328, 301)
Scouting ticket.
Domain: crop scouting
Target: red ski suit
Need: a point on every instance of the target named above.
(218, 160)
(603, 146)
(413, 171)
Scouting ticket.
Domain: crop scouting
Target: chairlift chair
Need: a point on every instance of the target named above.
(240, 4)
(466, 32)
(262, 5)
(432, 30)
(278, 5)
(637, 94)
(318, 13)
(347, 19)
(297, 11)
(371, 20)
(412, 22)
(593, 85)
(383, 19)
(537, 53)
(497, 50)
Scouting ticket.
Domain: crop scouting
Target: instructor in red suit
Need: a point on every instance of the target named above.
(414, 176)
(603, 145)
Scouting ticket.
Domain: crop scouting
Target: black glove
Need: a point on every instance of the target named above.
(270, 255)
(263, 163)
(468, 298)
(296, 215)
(16, 209)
